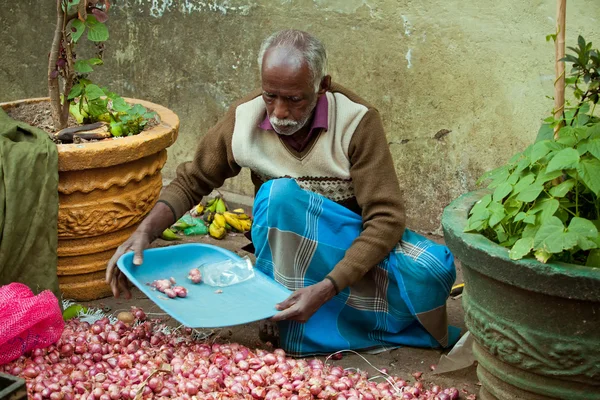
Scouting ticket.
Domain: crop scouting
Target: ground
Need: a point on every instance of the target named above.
(400, 362)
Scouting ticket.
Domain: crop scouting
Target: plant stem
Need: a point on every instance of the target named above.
(581, 102)
(559, 47)
(53, 83)
(569, 211)
(68, 76)
(577, 196)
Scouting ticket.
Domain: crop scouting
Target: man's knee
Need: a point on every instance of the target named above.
(278, 195)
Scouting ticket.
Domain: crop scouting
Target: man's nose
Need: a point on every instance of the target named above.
(281, 110)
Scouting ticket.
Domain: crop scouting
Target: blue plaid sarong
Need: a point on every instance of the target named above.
(299, 236)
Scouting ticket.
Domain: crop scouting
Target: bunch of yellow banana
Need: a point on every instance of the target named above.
(238, 220)
(217, 227)
(219, 220)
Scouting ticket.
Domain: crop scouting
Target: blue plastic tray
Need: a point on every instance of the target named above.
(238, 304)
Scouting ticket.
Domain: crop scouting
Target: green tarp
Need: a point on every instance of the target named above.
(28, 206)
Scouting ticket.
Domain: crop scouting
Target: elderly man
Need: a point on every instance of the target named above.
(329, 222)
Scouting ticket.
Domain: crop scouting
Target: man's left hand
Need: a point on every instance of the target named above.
(303, 303)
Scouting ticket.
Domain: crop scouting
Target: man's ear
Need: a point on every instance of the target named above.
(325, 85)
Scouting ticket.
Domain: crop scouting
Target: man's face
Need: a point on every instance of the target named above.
(288, 90)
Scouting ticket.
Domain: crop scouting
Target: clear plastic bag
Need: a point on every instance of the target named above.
(227, 273)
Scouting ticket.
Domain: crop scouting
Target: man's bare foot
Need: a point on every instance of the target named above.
(269, 332)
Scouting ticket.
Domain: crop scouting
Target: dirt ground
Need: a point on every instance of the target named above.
(401, 362)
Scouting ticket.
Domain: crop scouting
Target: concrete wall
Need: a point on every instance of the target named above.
(478, 68)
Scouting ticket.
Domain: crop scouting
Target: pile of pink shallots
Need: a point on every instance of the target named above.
(104, 361)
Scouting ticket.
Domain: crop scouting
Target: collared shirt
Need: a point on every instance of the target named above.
(320, 121)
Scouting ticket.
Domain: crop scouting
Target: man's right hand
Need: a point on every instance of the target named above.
(137, 243)
(159, 219)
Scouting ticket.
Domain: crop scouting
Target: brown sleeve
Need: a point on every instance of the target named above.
(378, 194)
(212, 164)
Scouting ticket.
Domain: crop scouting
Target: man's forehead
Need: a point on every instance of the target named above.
(285, 57)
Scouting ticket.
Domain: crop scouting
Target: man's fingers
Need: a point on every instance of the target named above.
(114, 286)
(289, 313)
(112, 263)
(122, 282)
(138, 248)
(287, 302)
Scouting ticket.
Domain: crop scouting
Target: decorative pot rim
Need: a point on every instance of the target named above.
(486, 257)
(106, 153)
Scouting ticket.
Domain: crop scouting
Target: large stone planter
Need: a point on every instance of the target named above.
(536, 326)
(105, 190)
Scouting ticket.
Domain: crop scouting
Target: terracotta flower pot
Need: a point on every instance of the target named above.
(536, 326)
(105, 190)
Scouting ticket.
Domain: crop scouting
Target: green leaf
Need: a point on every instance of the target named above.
(92, 92)
(521, 248)
(79, 29)
(583, 227)
(524, 163)
(502, 191)
(76, 91)
(494, 174)
(594, 131)
(481, 205)
(544, 176)
(530, 230)
(546, 209)
(97, 31)
(542, 256)
(523, 183)
(530, 219)
(565, 159)
(119, 104)
(82, 67)
(97, 107)
(553, 238)
(539, 150)
(95, 61)
(500, 234)
(497, 213)
(589, 171)
(593, 146)
(530, 193)
(593, 259)
(566, 136)
(563, 188)
(520, 216)
(138, 109)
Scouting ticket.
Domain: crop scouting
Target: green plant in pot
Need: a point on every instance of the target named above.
(71, 90)
(105, 186)
(545, 201)
(530, 250)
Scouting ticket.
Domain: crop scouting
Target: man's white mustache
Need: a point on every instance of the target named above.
(282, 122)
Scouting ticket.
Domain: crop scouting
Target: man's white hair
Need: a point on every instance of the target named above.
(311, 49)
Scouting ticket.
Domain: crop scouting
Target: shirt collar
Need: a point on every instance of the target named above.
(320, 119)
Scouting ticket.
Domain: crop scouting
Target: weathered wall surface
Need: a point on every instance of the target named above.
(479, 68)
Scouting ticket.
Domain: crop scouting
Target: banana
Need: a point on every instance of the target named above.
(246, 224)
(212, 205)
(209, 216)
(238, 211)
(216, 231)
(221, 208)
(199, 209)
(228, 227)
(179, 226)
(169, 235)
(232, 220)
(241, 216)
(219, 220)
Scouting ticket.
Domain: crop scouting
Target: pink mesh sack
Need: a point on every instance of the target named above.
(27, 321)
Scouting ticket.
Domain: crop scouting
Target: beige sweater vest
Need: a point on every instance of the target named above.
(325, 167)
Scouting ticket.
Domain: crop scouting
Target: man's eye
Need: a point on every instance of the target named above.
(295, 99)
